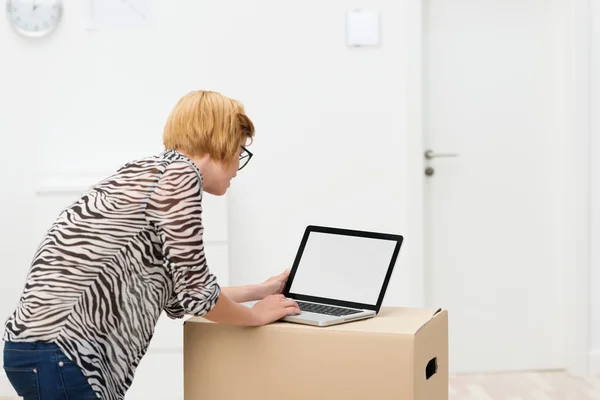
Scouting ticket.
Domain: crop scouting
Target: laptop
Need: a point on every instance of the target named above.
(340, 275)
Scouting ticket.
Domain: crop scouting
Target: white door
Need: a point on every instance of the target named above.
(494, 95)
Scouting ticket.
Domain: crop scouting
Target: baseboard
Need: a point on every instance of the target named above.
(595, 362)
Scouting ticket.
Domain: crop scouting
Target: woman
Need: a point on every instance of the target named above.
(129, 248)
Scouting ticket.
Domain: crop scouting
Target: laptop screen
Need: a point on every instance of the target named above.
(345, 268)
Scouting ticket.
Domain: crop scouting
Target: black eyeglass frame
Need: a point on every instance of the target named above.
(249, 157)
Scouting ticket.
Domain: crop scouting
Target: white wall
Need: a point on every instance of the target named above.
(331, 121)
(331, 136)
(331, 125)
(595, 193)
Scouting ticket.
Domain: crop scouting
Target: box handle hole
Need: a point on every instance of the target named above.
(431, 368)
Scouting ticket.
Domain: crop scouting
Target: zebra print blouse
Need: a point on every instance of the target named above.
(128, 249)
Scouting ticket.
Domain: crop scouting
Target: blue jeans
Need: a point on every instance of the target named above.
(41, 371)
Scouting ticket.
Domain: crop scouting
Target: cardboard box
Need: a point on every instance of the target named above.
(401, 354)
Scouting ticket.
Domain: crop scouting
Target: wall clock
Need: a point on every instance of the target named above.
(34, 18)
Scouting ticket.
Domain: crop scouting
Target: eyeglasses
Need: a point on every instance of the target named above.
(245, 157)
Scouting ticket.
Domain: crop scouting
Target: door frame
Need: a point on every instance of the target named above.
(577, 46)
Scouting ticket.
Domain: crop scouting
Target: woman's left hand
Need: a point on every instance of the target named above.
(275, 284)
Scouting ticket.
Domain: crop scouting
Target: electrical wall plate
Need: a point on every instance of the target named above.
(362, 28)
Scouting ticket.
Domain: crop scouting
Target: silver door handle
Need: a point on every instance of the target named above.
(429, 154)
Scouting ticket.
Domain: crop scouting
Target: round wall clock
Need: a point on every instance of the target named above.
(34, 18)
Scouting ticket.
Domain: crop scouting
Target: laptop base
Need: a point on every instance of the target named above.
(309, 318)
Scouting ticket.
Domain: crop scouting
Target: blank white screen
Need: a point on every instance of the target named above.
(344, 268)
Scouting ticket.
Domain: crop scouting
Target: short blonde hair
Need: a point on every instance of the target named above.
(206, 122)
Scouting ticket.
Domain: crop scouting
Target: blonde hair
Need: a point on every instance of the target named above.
(206, 122)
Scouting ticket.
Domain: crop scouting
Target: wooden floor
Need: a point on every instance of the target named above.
(524, 386)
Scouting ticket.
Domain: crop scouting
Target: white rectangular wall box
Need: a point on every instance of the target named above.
(362, 28)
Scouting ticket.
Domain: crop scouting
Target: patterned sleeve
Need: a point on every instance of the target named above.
(175, 208)
(174, 309)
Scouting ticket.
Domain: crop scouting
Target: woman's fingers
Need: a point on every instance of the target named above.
(290, 303)
(292, 310)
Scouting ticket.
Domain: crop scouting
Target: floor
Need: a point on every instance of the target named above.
(524, 386)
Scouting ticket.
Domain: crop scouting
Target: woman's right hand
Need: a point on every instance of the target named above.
(272, 308)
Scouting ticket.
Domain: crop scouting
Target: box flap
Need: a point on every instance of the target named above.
(390, 320)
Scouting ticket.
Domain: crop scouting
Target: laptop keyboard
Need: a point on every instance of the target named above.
(326, 309)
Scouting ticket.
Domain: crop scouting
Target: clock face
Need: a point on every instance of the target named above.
(34, 18)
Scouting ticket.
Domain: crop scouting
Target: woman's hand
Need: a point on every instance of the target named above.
(275, 284)
(243, 294)
(272, 308)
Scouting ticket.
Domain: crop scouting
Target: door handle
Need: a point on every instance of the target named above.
(429, 154)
